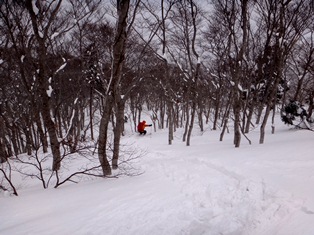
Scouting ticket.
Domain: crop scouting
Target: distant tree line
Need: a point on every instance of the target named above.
(71, 68)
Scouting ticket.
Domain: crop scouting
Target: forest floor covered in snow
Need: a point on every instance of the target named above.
(207, 188)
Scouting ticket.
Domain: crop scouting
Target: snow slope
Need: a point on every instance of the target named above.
(207, 188)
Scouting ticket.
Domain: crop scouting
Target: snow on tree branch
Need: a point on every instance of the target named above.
(34, 7)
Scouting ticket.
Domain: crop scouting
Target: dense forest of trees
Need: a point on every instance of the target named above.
(70, 69)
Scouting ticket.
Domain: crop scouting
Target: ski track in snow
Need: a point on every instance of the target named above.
(230, 204)
(183, 191)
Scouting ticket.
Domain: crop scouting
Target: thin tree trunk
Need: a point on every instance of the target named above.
(14, 140)
(200, 115)
(102, 141)
(262, 129)
(91, 123)
(42, 135)
(311, 105)
(3, 155)
(249, 120)
(224, 128)
(216, 115)
(170, 124)
(273, 120)
(225, 119)
(190, 127)
(117, 132)
(187, 120)
(259, 113)
(237, 131)
(162, 113)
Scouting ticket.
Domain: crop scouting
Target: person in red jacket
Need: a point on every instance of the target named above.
(141, 127)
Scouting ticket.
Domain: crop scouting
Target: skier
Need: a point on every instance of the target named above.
(141, 127)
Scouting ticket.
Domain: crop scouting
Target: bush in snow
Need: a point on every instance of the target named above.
(291, 111)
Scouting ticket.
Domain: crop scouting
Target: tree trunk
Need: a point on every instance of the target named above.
(43, 79)
(42, 135)
(190, 127)
(186, 122)
(216, 115)
(28, 138)
(162, 113)
(102, 141)
(273, 120)
(50, 125)
(237, 131)
(200, 115)
(113, 95)
(170, 124)
(311, 105)
(14, 139)
(259, 113)
(3, 155)
(91, 123)
(249, 119)
(118, 132)
(264, 122)
(224, 128)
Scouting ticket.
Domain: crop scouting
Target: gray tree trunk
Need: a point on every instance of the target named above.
(113, 95)
(42, 80)
(102, 142)
(118, 129)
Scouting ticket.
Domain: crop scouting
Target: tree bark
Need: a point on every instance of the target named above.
(102, 142)
(113, 95)
(118, 129)
(43, 79)
(3, 154)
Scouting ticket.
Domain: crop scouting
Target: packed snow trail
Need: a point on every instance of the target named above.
(208, 188)
(230, 202)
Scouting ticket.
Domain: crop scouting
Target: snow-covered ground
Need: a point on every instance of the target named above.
(207, 188)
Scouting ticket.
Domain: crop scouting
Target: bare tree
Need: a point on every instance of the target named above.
(42, 16)
(185, 55)
(235, 24)
(157, 44)
(112, 97)
(300, 64)
(38, 32)
(284, 30)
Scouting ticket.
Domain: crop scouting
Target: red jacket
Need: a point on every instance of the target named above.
(141, 126)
